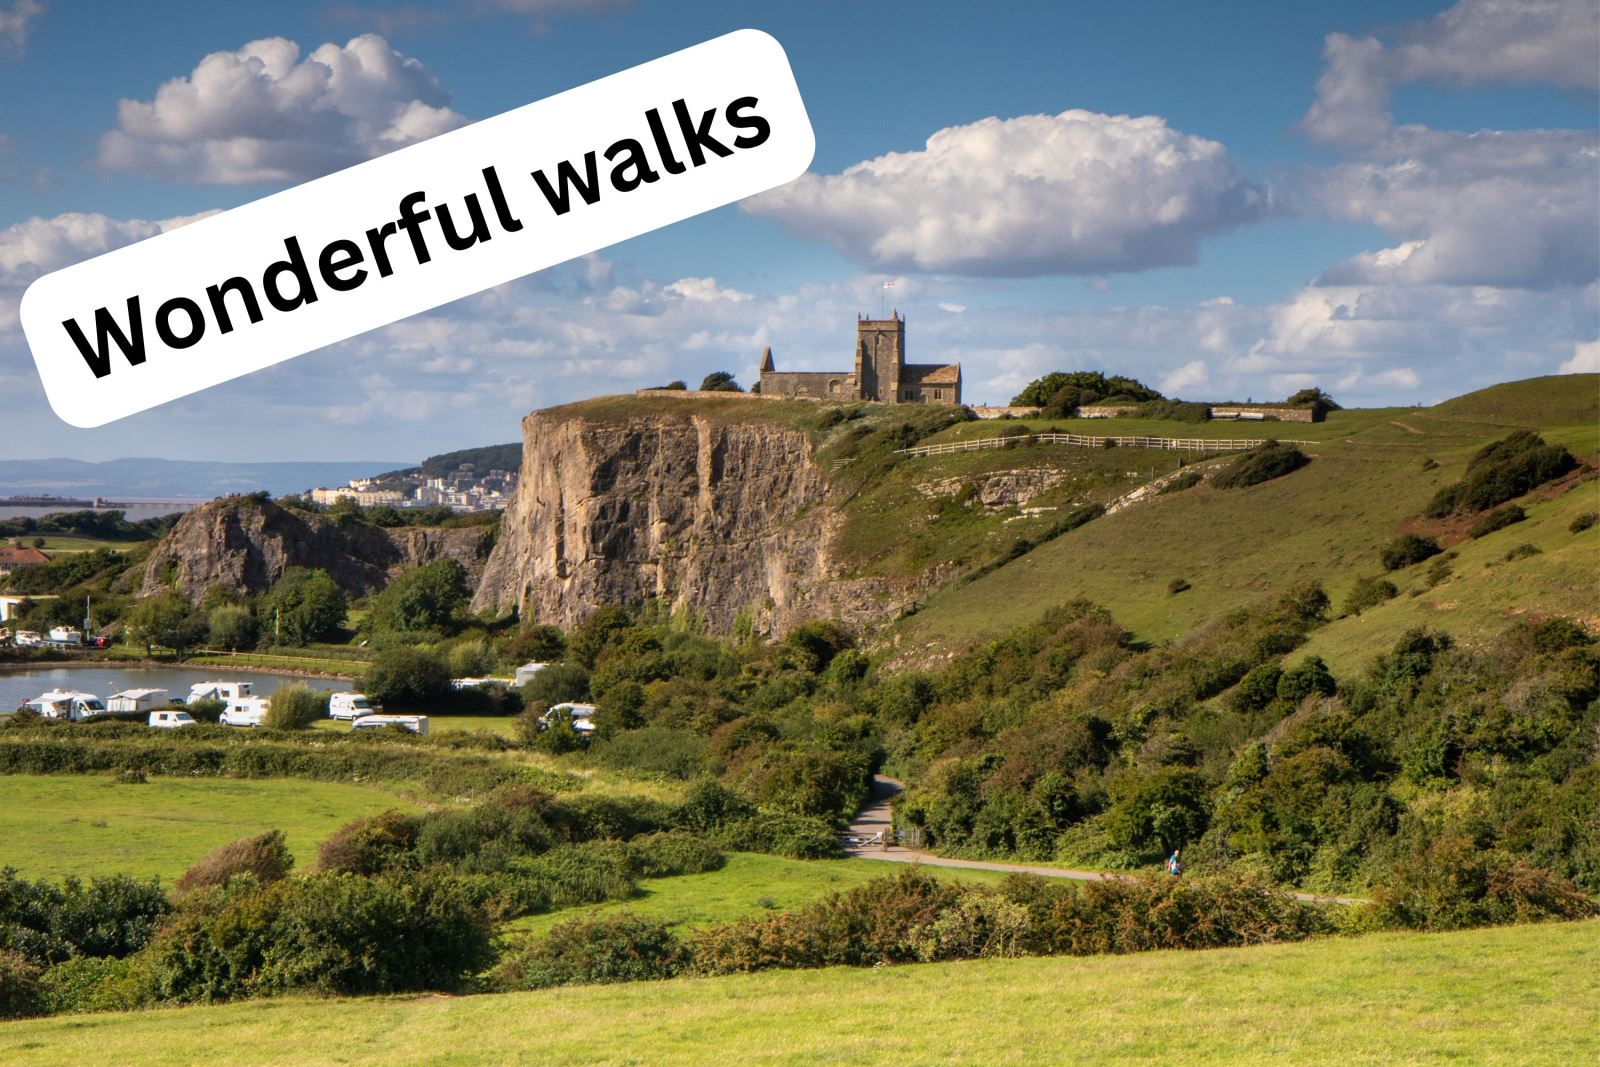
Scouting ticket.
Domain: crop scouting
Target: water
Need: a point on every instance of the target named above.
(133, 512)
(18, 686)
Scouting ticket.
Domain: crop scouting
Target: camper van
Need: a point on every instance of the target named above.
(66, 705)
(245, 711)
(580, 715)
(131, 701)
(171, 720)
(223, 691)
(351, 706)
(417, 724)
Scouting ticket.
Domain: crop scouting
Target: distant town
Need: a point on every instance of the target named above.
(475, 479)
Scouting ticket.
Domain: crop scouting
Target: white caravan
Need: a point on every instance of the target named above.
(417, 724)
(245, 711)
(130, 701)
(526, 672)
(351, 706)
(580, 715)
(223, 691)
(67, 705)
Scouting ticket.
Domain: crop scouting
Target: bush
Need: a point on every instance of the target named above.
(331, 933)
(372, 845)
(1158, 813)
(296, 707)
(593, 950)
(559, 683)
(1502, 471)
(1452, 884)
(47, 923)
(265, 857)
(1177, 585)
(206, 710)
(91, 983)
(1187, 480)
(1367, 593)
(674, 852)
(1407, 549)
(678, 754)
(407, 678)
(1271, 460)
(1583, 522)
(1498, 519)
(421, 600)
(21, 993)
(798, 837)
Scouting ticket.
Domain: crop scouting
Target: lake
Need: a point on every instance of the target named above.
(18, 686)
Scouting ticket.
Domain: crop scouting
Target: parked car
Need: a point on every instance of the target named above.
(351, 706)
(417, 724)
(245, 711)
(171, 720)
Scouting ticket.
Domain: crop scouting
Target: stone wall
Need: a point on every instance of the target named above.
(1265, 411)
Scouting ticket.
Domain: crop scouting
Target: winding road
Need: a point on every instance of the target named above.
(864, 841)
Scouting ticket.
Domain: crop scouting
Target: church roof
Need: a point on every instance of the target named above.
(766, 359)
(932, 373)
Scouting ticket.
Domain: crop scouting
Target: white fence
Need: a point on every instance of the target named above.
(1166, 444)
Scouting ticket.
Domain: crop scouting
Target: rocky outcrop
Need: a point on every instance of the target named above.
(245, 543)
(718, 516)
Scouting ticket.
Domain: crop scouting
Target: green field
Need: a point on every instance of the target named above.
(1326, 522)
(501, 725)
(1513, 995)
(59, 825)
(749, 884)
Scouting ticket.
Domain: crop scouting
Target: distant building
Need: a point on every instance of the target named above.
(20, 558)
(881, 372)
(367, 498)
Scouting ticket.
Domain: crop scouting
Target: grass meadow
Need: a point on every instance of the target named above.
(1523, 995)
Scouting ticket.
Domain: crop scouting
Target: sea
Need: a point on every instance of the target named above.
(135, 509)
(19, 686)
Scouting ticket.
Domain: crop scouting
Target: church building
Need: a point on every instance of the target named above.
(881, 372)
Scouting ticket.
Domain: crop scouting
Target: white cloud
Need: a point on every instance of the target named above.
(1191, 375)
(261, 114)
(14, 24)
(703, 289)
(1493, 207)
(1074, 193)
(1585, 359)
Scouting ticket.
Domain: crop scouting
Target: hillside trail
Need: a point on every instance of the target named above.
(864, 841)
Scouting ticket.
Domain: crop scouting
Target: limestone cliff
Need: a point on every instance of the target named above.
(715, 515)
(245, 544)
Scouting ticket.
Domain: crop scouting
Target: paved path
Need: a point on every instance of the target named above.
(864, 841)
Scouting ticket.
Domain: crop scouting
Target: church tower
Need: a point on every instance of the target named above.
(880, 355)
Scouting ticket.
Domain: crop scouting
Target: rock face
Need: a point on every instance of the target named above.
(716, 517)
(245, 544)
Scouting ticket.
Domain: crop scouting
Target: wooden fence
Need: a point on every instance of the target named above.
(1166, 444)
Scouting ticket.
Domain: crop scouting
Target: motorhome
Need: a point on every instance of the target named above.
(66, 637)
(245, 711)
(223, 691)
(351, 706)
(67, 705)
(581, 716)
(417, 724)
(135, 700)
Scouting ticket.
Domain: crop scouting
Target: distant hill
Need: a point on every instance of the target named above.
(483, 458)
(120, 479)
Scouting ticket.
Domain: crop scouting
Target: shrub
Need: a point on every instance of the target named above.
(372, 845)
(1522, 551)
(559, 683)
(265, 857)
(796, 836)
(421, 600)
(1498, 519)
(1309, 676)
(331, 933)
(656, 750)
(47, 923)
(1271, 460)
(404, 677)
(1369, 592)
(582, 874)
(1407, 549)
(21, 993)
(674, 852)
(1452, 884)
(1177, 585)
(1187, 480)
(1582, 522)
(92, 983)
(296, 707)
(1502, 471)
(593, 950)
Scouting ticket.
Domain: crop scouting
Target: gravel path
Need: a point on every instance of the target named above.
(864, 840)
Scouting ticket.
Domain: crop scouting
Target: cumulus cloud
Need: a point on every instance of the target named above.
(1190, 376)
(1585, 359)
(262, 114)
(1074, 193)
(14, 24)
(1492, 207)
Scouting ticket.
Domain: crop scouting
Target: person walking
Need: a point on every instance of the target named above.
(1174, 864)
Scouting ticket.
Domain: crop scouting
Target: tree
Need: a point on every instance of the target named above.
(159, 620)
(619, 709)
(558, 683)
(305, 605)
(720, 382)
(407, 678)
(232, 626)
(536, 643)
(471, 659)
(1315, 399)
(421, 600)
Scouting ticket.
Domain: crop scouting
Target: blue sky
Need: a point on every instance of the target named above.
(1395, 201)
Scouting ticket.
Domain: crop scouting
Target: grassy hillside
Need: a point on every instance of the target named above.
(1517, 995)
(1371, 473)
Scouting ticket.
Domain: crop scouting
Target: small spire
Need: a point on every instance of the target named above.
(766, 359)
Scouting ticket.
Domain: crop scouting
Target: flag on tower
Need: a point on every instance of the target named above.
(888, 285)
